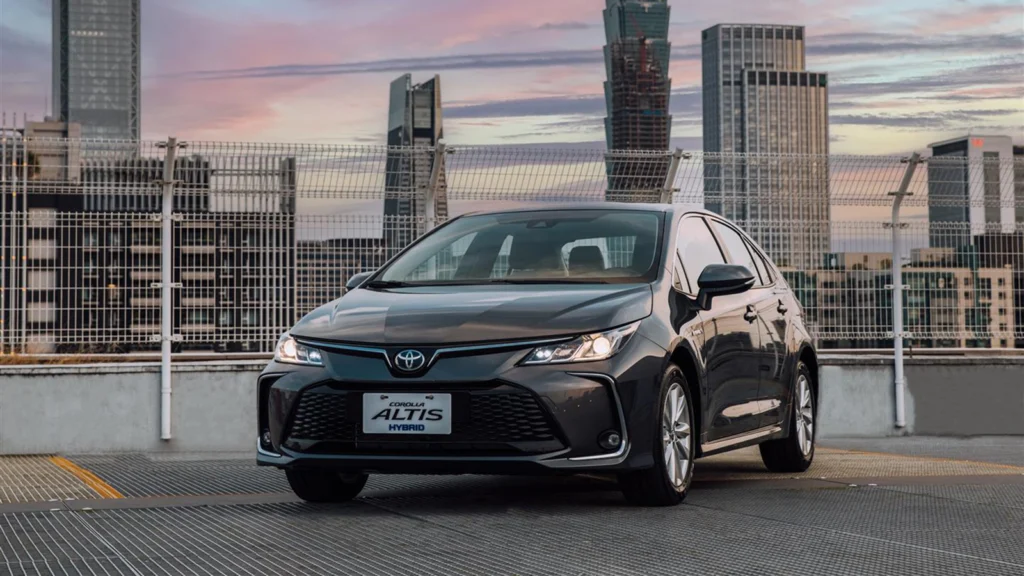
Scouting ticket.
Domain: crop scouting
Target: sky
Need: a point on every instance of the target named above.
(903, 73)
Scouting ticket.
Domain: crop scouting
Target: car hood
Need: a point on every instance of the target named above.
(464, 314)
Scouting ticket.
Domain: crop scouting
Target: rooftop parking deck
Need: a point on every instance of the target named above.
(892, 506)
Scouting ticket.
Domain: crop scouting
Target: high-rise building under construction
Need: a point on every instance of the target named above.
(636, 94)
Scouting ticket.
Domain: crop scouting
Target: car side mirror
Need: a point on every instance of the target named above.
(356, 280)
(722, 280)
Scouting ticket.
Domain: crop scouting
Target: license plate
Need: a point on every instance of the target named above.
(407, 413)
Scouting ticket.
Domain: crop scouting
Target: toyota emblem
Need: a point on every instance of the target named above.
(409, 360)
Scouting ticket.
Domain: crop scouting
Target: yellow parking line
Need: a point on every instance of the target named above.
(91, 480)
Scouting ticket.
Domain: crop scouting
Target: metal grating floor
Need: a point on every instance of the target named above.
(932, 523)
(137, 475)
(142, 476)
(746, 464)
(996, 449)
(843, 531)
(38, 479)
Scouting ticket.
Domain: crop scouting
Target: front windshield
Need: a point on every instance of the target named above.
(570, 246)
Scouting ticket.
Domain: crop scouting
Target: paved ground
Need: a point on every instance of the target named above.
(902, 506)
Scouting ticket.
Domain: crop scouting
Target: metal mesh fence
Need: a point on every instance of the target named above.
(264, 233)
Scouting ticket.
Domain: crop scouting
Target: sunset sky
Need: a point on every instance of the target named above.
(903, 73)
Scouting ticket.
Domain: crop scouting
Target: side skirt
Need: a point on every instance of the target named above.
(741, 440)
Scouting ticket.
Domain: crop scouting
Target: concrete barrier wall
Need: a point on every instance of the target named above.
(116, 407)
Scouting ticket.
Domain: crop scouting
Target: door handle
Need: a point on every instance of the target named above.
(750, 315)
(782, 307)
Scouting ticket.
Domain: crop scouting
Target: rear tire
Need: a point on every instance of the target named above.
(674, 448)
(325, 486)
(795, 452)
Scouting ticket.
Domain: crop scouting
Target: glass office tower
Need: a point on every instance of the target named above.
(768, 118)
(96, 66)
(414, 120)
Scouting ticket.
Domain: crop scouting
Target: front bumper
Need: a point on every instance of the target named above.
(507, 419)
(517, 441)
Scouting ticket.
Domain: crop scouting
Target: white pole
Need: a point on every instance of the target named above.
(897, 313)
(670, 181)
(23, 243)
(166, 278)
(4, 244)
(897, 291)
(430, 192)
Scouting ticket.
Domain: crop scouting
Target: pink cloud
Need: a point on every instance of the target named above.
(971, 18)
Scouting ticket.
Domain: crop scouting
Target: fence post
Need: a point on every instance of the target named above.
(430, 193)
(673, 168)
(898, 287)
(4, 248)
(166, 280)
(23, 243)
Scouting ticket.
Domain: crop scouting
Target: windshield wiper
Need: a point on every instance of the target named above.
(385, 284)
(547, 281)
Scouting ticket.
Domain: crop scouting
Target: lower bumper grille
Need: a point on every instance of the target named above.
(501, 419)
(323, 416)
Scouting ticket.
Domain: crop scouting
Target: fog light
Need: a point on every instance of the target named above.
(610, 440)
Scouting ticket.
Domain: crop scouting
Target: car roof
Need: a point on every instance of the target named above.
(575, 206)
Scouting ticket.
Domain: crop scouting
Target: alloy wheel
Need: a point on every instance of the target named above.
(804, 415)
(675, 436)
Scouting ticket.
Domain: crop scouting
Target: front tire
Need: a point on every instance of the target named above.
(325, 486)
(668, 481)
(795, 452)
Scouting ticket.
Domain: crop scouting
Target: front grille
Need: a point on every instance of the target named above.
(500, 418)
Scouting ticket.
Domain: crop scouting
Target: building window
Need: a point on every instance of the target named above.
(990, 171)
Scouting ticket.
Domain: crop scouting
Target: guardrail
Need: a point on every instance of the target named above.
(114, 247)
(237, 241)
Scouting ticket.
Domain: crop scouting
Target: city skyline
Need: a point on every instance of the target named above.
(899, 77)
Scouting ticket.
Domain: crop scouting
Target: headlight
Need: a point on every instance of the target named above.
(596, 346)
(291, 352)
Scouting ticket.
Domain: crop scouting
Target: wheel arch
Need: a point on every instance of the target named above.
(684, 357)
(809, 357)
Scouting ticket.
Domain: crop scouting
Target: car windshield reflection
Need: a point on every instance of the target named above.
(536, 247)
